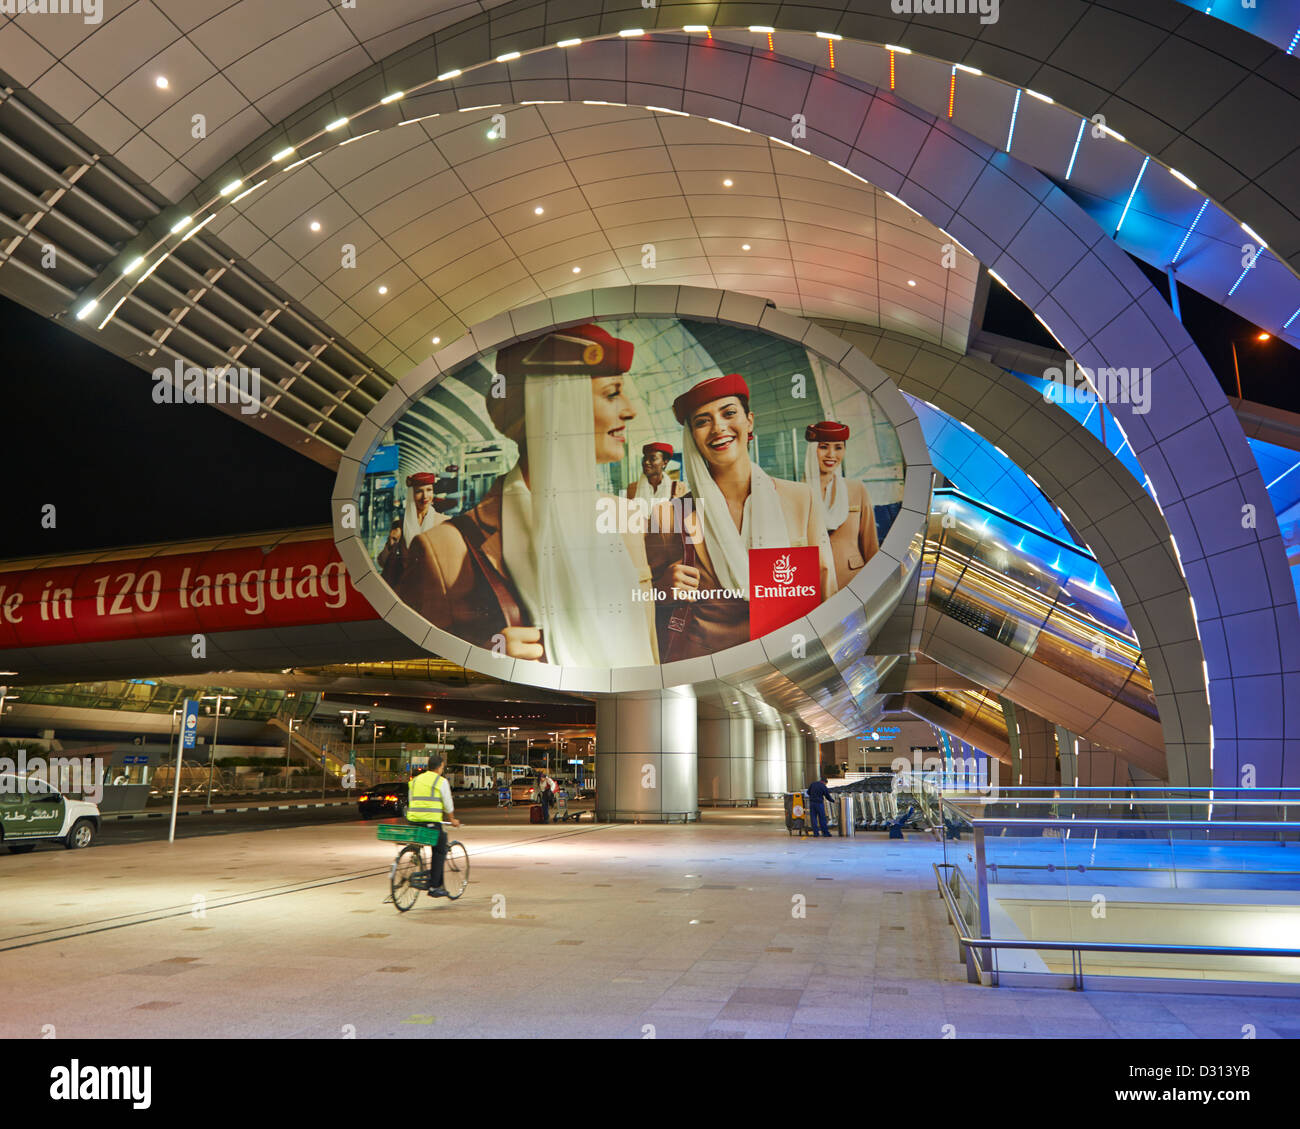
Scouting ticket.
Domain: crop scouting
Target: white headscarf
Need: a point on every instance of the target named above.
(661, 493)
(577, 583)
(762, 523)
(833, 504)
(412, 526)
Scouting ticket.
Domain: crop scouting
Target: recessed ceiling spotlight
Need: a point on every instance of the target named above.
(576, 270)
(911, 282)
(537, 211)
(315, 225)
(161, 82)
(437, 340)
(727, 183)
(383, 290)
(744, 246)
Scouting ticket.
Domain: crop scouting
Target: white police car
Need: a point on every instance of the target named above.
(32, 812)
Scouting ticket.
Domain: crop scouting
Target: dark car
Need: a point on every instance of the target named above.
(383, 799)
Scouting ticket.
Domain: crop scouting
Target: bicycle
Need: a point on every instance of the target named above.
(408, 875)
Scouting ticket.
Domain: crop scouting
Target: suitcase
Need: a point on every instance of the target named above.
(535, 814)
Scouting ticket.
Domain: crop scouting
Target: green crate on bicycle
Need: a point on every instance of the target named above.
(408, 833)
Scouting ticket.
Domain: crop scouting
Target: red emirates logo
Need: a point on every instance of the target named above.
(784, 584)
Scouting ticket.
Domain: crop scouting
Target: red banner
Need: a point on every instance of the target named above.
(293, 585)
(784, 584)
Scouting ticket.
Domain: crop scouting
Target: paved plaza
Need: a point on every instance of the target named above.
(724, 929)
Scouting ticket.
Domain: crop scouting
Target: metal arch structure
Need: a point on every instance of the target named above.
(1096, 302)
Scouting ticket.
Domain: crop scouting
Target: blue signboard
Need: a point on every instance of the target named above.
(190, 724)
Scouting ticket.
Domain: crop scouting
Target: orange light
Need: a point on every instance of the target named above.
(1264, 337)
(891, 70)
(427, 708)
(831, 44)
(952, 92)
(769, 41)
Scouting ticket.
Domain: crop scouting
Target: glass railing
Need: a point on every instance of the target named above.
(1139, 882)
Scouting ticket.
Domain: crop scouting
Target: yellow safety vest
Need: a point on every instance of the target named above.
(424, 804)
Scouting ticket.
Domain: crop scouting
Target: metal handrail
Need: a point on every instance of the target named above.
(1079, 947)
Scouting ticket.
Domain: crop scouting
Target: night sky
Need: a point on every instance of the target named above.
(81, 432)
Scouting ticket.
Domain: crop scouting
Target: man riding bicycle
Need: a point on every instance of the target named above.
(429, 802)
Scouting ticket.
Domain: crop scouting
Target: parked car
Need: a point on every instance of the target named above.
(383, 799)
(33, 812)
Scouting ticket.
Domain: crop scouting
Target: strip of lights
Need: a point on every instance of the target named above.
(1132, 192)
(1011, 132)
(1077, 138)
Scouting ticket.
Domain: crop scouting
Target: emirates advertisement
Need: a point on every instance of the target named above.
(294, 584)
(631, 492)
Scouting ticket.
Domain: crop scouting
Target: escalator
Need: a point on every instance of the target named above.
(1033, 619)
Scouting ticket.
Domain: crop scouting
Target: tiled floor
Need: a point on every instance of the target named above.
(725, 929)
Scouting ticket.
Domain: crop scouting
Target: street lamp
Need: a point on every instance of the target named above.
(294, 723)
(375, 730)
(507, 730)
(1261, 336)
(353, 720)
(218, 697)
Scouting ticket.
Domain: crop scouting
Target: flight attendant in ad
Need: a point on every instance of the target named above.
(654, 485)
(845, 505)
(420, 517)
(735, 506)
(527, 572)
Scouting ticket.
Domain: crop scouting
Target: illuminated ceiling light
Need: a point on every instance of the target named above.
(86, 310)
(727, 183)
(337, 123)
(448, 74)
(229, 188)
(1252, 234)
(283, 154)
(696, 27)
(161, 82)
(1011, 130)
(631, 32)
(828, 35)
(577, 270)
(182, 223)
(1113, 133)
(666, 110)
(1040, 97)
(359, 137)
(744, 246)
(395, 96)
(900, 50)
(969, 70)
(537, 211)
(568, 43)
(911, 282)
(761, 29)
(508, 57)
(732, 125)
(288, 168)
(134, 265)
(1179, 176)
(437, 340)
(315, 225)
(246, 192)
(383, 290)
(1077, 138)
(1132, 192)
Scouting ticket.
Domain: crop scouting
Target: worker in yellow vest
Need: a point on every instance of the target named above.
(429, 802)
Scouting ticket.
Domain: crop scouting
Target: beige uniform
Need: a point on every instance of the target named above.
(854, 543)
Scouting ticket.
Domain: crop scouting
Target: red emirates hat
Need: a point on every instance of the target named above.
(828, 431)
(422, 479)
(665, 449)
(715, 388)
(579, 350)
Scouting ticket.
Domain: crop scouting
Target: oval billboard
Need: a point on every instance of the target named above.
(628, 492)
